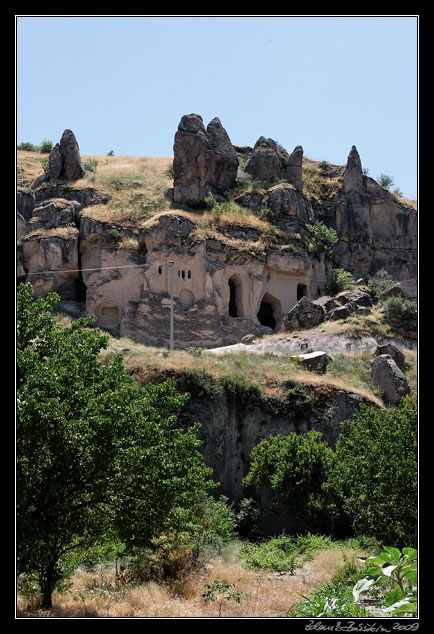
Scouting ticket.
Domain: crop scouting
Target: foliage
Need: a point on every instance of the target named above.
(45, 163)
(328, 601)
(219, 590)
(321, 239)
(27, 147)
(401, 571)
(97, 455)
(296, 466)
(376, 472)
(338, 280)
(93, 164)
(349, 572)
(385, 181)
(400, 314)
(379, 283)
(284, 553)
(46, 146)
(278, 554)
(246, 518)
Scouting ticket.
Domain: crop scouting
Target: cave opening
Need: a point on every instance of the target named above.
(301, 291)
(266, 315)
(235, 305)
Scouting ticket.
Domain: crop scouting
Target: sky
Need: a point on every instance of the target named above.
(122, 84)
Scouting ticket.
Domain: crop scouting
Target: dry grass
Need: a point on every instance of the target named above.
(264, 594)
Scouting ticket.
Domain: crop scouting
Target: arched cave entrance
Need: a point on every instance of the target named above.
(301, 291)
(235, 305)
(270, 312)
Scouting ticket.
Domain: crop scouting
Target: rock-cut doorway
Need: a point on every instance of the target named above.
(270, 312)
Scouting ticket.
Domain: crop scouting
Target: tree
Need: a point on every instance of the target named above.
(376, 472)
(98, 456)
(385, 181)
(296, 467)
(321, 238)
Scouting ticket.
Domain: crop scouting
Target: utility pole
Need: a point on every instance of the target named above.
(171, 306)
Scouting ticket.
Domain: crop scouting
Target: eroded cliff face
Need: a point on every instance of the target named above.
(222, 289)
(234, 419)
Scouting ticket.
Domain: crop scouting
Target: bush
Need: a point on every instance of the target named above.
(296, 467)
(400, 314)
(28, 147)
(338, 280)
(321, 239)
(278, 554)
(46, 146)
(328, 601)
(376, 472)
(379, 283)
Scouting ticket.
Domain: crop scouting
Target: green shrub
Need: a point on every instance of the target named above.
(328, 601)
(376, 472)
(379, 283)
(400, 314)
(296, 466)
(278, 554)
(28, 147)
(46, 146)
(338, 280)
(321, 239)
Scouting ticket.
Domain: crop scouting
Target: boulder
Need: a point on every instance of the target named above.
(394, 352)
(283, 201)
(221, 158)
(250, 200)
(388, 377)
(189, 162)
(313, 360)
(406, 290)
(264, 163)
(341, 312)
(359, 296)
(353, 176)
(305, 314)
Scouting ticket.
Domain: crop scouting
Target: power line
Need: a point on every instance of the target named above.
(102, 268)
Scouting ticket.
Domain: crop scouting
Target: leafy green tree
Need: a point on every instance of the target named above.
(376, 472)
(296, 467)
(321, 238)
(98, 456)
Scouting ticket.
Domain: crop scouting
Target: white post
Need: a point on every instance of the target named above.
(171, 306)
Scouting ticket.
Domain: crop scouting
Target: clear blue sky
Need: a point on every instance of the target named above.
(122, 83)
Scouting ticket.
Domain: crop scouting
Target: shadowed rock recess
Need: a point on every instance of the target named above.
(248, 277)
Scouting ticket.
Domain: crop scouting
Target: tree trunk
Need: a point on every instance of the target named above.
(47, 582)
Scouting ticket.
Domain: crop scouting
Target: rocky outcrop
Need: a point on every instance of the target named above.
(295, 167)
(189, 162)
(353, 176)
(265, 163)
(221, 158)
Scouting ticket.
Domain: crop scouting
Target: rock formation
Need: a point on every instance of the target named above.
(189, 161)
(221, 293)
(221, 158)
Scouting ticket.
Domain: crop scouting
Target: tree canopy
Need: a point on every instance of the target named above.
(98, 456)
